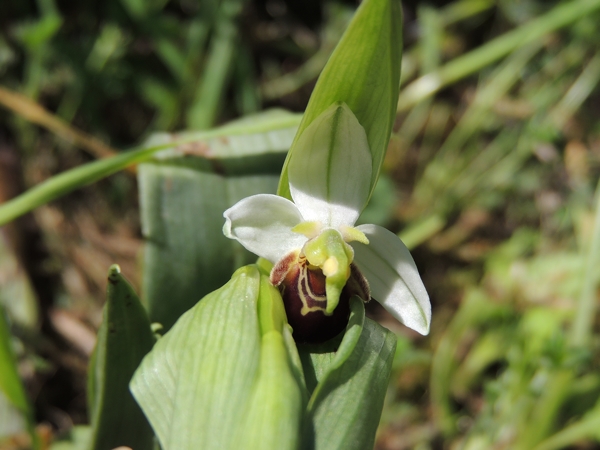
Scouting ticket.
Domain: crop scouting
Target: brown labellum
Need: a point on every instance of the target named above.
(303, 290)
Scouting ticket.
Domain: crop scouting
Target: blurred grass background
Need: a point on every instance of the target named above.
(490, 179)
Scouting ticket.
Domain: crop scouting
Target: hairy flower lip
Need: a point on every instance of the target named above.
(329, 175)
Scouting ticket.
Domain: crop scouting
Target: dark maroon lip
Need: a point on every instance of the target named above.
(304, 296)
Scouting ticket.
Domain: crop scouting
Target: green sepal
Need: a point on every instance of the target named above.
(348, 380)
(124, 338)
(364, 73)
(225, 376)
(186, 255)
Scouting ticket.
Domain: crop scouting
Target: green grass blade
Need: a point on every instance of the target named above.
(218, 70)
(68, 181)
(560, 16)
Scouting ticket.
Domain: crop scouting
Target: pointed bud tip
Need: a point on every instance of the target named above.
(113, 273)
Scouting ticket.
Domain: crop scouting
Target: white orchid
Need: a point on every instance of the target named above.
(330, 174)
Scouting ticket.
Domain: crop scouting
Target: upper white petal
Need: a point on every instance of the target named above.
(330, 168)
(263, 224)
(393, 277)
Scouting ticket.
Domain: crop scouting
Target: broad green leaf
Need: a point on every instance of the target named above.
(124, 339)
(364, 73)
(222, 378)
(182, 203)
(351, 382)
(186, 254)
(268, 132)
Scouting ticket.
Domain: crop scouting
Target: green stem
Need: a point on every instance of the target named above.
(472, 62)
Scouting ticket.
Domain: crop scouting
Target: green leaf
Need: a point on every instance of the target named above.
(10, 382)
(182, 203)
(265, 133)
(11, 388)
(124, 339)
(351, 382)
(270, 128)
(186, 254)
(222, 378)
(364, 73)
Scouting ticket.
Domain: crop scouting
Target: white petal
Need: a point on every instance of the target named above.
(330, 168)
(263, 224)
(393, 277)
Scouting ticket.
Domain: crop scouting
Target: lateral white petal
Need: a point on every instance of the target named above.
(393, 277)
(263, 224)
(330, 168)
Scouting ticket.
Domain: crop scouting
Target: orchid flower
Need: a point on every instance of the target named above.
(330, 171)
